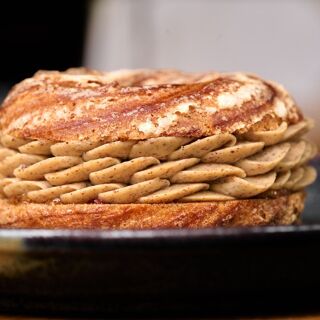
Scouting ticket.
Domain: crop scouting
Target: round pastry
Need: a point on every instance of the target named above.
(148, 149)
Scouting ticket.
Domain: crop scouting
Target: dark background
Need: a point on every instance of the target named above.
(40, 35)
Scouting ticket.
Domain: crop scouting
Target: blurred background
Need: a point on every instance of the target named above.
(277, 39)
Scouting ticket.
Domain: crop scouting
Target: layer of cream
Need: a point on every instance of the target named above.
(158, 170)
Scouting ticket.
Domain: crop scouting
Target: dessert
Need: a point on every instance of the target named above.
(151, 149)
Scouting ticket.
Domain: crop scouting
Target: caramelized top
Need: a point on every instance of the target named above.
(82, 105)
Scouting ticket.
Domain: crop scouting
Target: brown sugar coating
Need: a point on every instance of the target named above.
(135, 105)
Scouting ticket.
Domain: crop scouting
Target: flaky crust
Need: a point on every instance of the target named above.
(252, 212)
(88, 105)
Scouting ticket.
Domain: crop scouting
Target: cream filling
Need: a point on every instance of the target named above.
(158, 170)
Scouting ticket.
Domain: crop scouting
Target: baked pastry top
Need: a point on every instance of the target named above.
(64, 106)
(151, 137)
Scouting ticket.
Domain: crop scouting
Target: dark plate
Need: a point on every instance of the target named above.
(163, 273)
(195, 272)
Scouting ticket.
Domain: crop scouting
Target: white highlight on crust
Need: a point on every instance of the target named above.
(62, 113)
(147, 127)
(162, 124)
(40, 119)
(280, 108)
(20, 122)
(211, 109)
(183, 107)
(165, 122)
(78, 111)
(236, 99)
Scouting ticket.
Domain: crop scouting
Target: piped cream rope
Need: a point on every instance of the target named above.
(164, 169)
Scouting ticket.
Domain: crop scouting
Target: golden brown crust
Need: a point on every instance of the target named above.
(89, 105)
(252, 212)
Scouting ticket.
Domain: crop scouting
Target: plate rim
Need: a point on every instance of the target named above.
(46, 238)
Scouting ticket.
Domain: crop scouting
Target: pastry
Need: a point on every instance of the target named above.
(141, 149)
